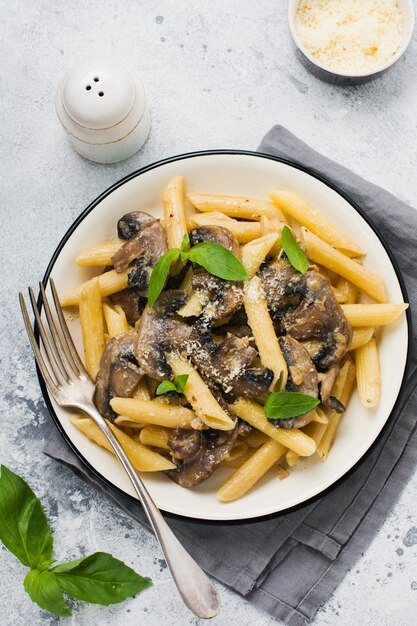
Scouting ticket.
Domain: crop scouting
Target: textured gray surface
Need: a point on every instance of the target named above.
(217, 75)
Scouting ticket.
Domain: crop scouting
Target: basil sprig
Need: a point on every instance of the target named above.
(214, 257)
(178, 385)
(295, 255)
(283, 405)
(99, 578)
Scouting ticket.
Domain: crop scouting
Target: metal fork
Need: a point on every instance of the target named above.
(68, 382)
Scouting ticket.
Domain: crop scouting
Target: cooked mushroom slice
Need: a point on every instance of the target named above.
(131, 223)
(145, 249)
(326, 386)
(152, 329)
(282, 296)
(199, 453)
(302, 377)
(131, 302)
(119, 373)
(227, 296)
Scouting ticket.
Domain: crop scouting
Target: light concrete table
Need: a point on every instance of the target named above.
(218, 75)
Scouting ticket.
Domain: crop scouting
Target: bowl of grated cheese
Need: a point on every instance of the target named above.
(351, 40)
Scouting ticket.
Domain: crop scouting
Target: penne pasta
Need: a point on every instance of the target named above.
(235, 206)
(373, 314)
(238, 461)
(315, 430)
(255, 438)
(243, 231)
(199, 395)
(150, 412)
(346, 292)
(239, 449)
(252, 413)
(116, 321)
(142, 391)
(367, 374)
(321, 252)
(263, 330)
(251, 471)
(174, 216)
(255, 252)
(273, 225)
(110, 282)
(142, 458)
(100, 255)
(361, 336)
(316, 222)
(92, 326)
(156, 436)
(195, 303)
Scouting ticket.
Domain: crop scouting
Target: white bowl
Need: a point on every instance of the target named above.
(249, 174)
(326, 72)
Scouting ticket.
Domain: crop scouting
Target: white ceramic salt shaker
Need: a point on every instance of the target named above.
(102, 106)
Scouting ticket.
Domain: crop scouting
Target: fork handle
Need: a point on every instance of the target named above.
(195, 588)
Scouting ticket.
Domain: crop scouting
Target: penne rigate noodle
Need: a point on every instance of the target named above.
(110, 282)
(251, 471)
(100, 255)
(243, 231)
(347, 292)
(342, 389)
(142, 392)
(255, 252)
(156, 436)
(116, 321)
(292, 458)
(240, 448)
(272, 225)
(373, 314)
(187, 281)
(320, 417)
(142, 458)
(316, 222)
(361, 336)
(174, 216)
(195, 303)
(150, 412)
(252, 413)
(199, 395)
(92, 326)
(315, 430)
(238, 461)
(263, 330)
(235, 206)
(321, 252)
(367, 374)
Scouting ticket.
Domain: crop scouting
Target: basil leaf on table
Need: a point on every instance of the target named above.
(282, 405)
(160, 274)
(24, 529)
(218, 260)
(178, 385)
(295, 255)
(99, 578)
(43, 588)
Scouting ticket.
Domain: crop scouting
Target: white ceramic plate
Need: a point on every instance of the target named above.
(249, 174)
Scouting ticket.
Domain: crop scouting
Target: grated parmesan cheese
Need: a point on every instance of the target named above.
(350, 35)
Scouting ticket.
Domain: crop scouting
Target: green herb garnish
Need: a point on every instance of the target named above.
(214, 257)
(178, 385)
(295, 255)
(24, 530)
(282, 405)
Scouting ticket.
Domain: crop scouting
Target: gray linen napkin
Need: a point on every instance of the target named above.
(262, 560)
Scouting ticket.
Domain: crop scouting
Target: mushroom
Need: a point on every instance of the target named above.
(119, 373)
(143, 250)
(198, 453)
(130, 224)
(131, 302)
(304, 306)
(302, 377)
(153, 330)
(227, 296)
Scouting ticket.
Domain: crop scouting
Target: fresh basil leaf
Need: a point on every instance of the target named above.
(164, 387)
(99, 578)
(24, 529)
(185, 244)
(177, 385)
(217, 260)
(295, 255)
(180, 381)
(282, 405)
(43, 589)
(160, 273)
